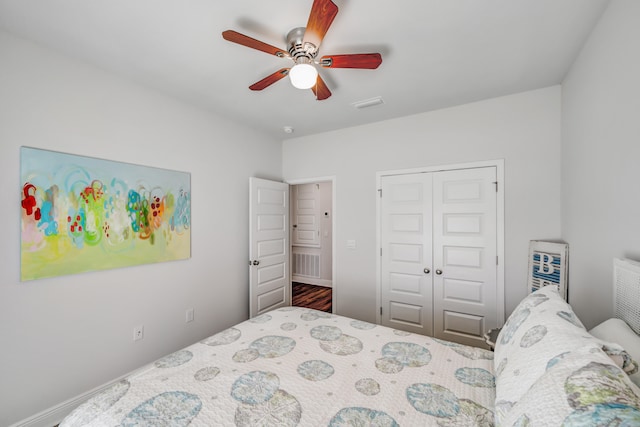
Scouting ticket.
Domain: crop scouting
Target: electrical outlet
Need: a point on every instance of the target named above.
(138, 333)
(189, 315)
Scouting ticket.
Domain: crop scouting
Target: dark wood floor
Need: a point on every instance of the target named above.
(310, 296)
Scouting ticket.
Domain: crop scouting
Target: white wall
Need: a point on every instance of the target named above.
(523, 129)
(61, 337)
(601, 158)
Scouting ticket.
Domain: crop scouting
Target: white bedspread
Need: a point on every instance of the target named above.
(296, 366)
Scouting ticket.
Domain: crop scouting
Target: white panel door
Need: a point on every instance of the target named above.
(406, 285)
(269, 286)
(465, 254)
(306, 229)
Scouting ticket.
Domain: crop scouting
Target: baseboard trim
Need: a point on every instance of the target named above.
(311, 281)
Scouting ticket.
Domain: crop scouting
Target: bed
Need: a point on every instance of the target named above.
(295, 366)
(300, 367)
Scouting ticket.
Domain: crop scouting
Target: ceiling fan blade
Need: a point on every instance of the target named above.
(270, 79)
(320, 90)
(236, 37)
(356, 60)
(320, 19)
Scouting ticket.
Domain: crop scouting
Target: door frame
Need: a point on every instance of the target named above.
(500, 285)
(334, 281)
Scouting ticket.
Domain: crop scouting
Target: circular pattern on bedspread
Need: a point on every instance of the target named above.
(282, 410)
(325, 333)
(475, 377)
(263, 318)
(343, 346)
(359, 324)
(554, 360)
(470, 414)
(315, 370)
(604, 415)
(175, 359)
(255, 387)
(512, 325)
(357, 416)
(533, 336)
(570, 317)
(368, 386)
(598, 383)
(433, 399)
(406, 353)
(222, 338)
(245, 355)
(206, 374)
(389, 365)
(314, 315)
(271, 346)
(288, 326)
(601, 397)
(173, 408)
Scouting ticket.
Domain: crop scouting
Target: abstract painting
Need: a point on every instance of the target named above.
(84, 214)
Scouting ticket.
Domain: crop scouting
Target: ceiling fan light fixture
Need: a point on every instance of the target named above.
(303, 75)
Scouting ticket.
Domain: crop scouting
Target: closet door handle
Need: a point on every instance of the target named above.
(256, 262)
(426, 271)
(438, 272)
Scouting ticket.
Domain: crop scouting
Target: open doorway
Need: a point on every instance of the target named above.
(312, 245)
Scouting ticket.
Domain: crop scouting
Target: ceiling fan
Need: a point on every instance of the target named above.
(303, 45)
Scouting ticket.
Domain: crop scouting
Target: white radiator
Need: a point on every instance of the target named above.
(307, 265)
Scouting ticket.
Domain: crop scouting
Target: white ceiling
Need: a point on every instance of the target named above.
(436, 53)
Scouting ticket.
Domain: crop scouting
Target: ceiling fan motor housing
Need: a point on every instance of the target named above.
(301, 53)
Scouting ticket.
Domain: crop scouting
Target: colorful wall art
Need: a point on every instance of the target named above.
(84, 214)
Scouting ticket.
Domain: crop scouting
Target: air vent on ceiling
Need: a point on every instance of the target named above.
(368, 102)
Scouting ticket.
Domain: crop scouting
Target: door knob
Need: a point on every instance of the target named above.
(426, 271)
(256, 262)
(438, 272)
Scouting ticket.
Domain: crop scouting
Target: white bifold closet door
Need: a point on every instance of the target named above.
(439, 253)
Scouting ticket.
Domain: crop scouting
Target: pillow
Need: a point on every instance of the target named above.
(617, 331)
(541, 331)
(582, 389)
